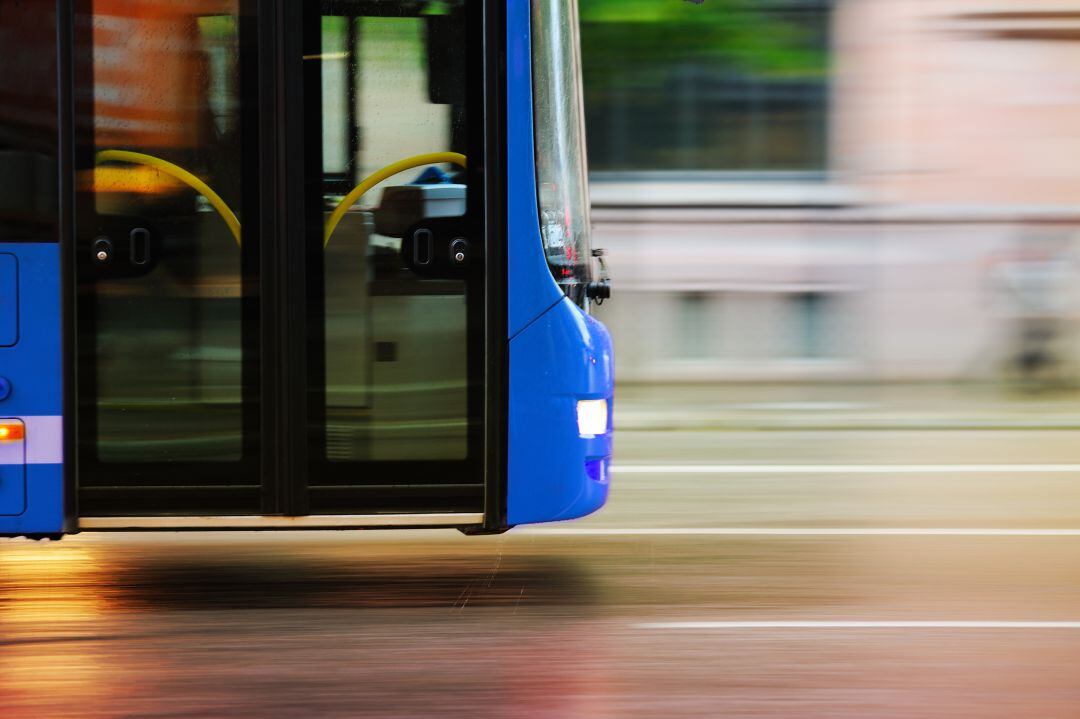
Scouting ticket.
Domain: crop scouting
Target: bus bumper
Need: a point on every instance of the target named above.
(555, 471)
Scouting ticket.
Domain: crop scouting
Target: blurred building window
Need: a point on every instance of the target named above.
(693, 326)
(722, 86)
(814, 313)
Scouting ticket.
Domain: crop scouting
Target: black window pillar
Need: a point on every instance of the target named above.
(285, 217)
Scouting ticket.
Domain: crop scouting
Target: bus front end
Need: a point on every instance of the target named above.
(561, 364)
(286, 265)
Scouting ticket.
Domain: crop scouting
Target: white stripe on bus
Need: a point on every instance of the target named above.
(44, 440)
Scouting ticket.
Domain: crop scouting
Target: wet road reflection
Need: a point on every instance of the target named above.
(531, 625)
(578, 622)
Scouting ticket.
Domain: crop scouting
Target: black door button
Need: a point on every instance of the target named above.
(102, 250)
(459, 252)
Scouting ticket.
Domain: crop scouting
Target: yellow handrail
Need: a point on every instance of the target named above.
(184, 176)
(430, 158)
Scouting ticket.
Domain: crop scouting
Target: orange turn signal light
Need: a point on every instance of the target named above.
(12, 431)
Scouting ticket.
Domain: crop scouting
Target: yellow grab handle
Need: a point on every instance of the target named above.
(181, 174)
(430, 158)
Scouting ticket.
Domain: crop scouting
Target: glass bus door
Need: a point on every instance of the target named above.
(396, 312)
(167, 292)
(248, 344)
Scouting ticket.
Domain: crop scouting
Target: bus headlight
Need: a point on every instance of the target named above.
(592, 417)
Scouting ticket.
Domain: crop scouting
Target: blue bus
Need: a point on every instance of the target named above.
(281, 264)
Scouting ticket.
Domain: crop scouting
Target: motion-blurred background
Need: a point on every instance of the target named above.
(844, 238)
(877, 197)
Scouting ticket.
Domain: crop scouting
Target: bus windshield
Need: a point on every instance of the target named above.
(562, 182)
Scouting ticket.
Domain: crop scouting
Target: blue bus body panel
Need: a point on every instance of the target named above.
(532, 288)
(558, 354)
(32, 496)
(9, 299)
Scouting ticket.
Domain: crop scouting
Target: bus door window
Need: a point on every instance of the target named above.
(160, 270)
(396, 353)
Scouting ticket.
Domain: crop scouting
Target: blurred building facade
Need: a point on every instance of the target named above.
(879, 190)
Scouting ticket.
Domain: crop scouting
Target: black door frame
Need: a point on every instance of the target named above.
(277, 293)
(497, 350)
(404, 486)
(283, 167)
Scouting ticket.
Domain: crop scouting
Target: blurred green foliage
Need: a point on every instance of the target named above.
(759, 37)
(725, 85)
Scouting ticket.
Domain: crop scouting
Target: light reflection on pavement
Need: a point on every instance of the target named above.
(432, 624)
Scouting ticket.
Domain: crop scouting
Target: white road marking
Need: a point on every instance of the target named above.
(858, 625)
(845, 468)
(799, 531)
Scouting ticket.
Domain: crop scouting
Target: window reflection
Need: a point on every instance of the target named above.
(28, 191)
(166, 314)
(395, 340)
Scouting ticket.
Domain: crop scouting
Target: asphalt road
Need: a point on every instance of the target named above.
(865, 579)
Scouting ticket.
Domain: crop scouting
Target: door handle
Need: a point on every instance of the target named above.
(139, 248)
(438, 248)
